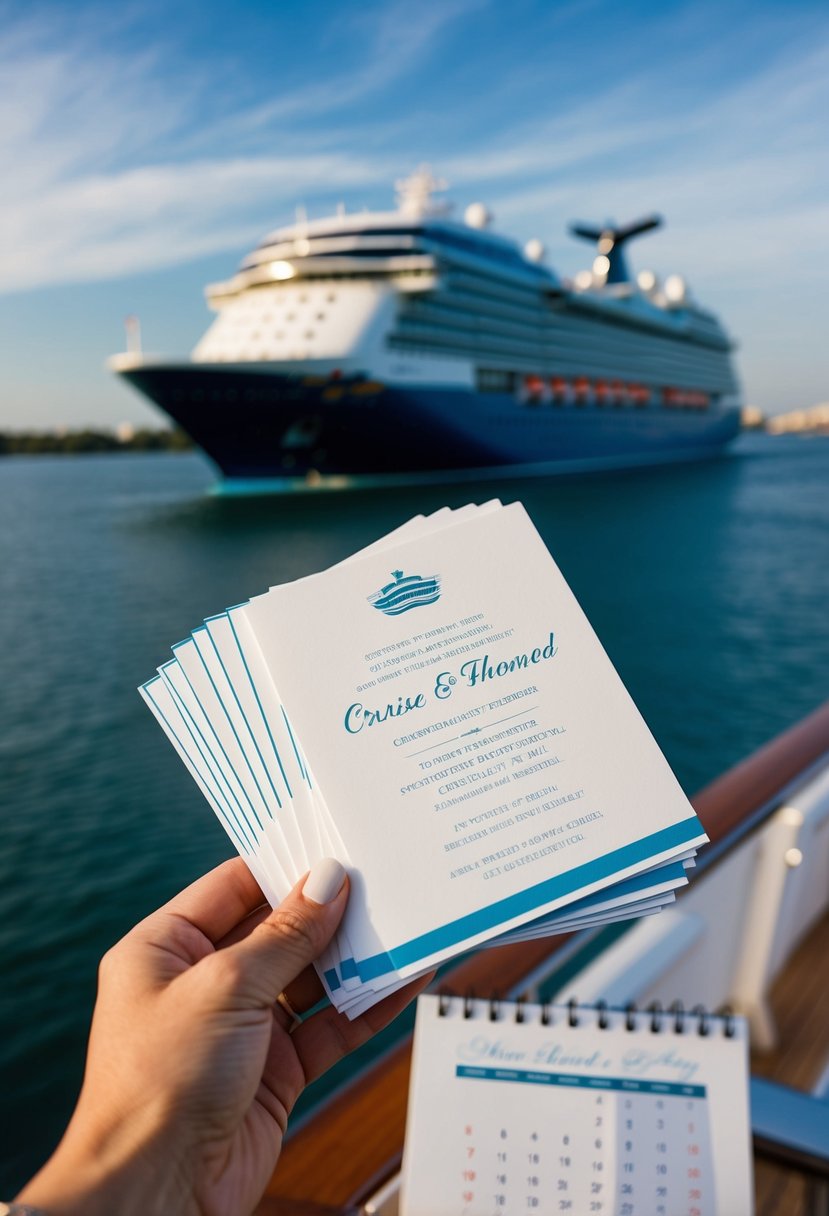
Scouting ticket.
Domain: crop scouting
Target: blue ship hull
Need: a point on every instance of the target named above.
(266, 426)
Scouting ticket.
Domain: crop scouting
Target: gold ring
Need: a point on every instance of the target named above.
(296, 1020)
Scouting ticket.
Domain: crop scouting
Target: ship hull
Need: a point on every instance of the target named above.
(259, 426)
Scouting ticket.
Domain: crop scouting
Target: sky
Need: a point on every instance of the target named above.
(146, 147)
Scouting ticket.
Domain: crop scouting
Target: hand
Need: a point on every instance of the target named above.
(191, 1072)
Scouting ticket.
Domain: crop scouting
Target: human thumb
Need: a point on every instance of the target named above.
(261, 966)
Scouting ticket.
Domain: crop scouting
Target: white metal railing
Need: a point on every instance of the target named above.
(734, 928)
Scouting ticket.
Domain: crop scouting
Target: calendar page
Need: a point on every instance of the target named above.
(548, 1109)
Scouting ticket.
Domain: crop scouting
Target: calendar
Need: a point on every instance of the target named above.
(518, 1108)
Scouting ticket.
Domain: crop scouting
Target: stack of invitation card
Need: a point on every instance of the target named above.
(437, 713)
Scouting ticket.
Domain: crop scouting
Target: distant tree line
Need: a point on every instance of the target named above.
(70, 443)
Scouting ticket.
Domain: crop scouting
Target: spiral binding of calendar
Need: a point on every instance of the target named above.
(675, 1018)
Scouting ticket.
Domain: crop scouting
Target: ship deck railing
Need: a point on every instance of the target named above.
(751, 932)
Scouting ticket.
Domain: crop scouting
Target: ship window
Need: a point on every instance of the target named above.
(291, 316)
(320, 316)
(331, 297)
(492, 380)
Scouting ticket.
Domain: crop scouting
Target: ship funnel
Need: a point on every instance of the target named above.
(611, 240)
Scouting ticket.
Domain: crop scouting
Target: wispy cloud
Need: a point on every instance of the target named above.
(742, 179)
(101, 227)
(118, 164)
(394, 39)
(111, 172)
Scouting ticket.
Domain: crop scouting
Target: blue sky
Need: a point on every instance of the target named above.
(145, 147)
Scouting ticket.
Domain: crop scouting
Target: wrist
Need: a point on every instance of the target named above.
(131, 1170)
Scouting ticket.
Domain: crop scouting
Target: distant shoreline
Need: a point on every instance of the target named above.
(86, 440)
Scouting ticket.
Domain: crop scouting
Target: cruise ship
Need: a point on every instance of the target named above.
(378, 346)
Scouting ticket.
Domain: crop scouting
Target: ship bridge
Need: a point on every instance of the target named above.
(331, 288)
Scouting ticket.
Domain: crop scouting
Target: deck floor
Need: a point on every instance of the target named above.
(800, 1003)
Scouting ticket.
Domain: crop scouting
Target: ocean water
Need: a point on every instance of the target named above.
(708, 584)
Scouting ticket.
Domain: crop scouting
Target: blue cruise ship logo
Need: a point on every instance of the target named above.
(407, 591)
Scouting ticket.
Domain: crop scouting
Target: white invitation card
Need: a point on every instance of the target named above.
(438, 714)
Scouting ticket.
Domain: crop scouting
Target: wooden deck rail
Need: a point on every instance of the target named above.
(342, 1153)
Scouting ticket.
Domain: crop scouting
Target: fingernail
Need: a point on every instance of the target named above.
(324, 881)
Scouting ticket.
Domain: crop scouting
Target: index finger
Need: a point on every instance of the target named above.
(219, 900)
(323, 1039)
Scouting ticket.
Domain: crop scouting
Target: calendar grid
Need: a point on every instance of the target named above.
(575, 1110)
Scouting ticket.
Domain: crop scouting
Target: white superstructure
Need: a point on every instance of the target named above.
(412, 294)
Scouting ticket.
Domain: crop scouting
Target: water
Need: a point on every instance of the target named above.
(708, 584)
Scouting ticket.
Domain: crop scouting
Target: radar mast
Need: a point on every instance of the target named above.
(414, 193)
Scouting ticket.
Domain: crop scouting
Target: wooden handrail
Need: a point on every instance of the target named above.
(341, 1153)
(734, 799)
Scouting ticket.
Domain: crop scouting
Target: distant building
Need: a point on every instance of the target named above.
(813, 421)
(752, 418)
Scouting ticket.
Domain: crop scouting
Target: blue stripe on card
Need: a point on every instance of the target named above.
(200, 630)
(207, 755)
(349, 969)
(224, 616)
(241, 843)
(213, 731)
(670, 872)
(259, 702)
(293, 743)
(560, 885)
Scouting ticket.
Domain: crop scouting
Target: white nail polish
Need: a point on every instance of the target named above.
(324, 881)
